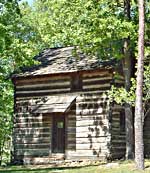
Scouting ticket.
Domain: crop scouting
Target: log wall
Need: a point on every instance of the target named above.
(118, 139)
(32, 135)
(33, 131)
(91, 119)
(117, 123)
(88, 134)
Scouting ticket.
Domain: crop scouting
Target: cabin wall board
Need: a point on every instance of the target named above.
(118, 139)
(32, 136)
(87, 122)
(89, 127)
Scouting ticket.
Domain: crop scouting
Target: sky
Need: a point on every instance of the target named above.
(29, 1)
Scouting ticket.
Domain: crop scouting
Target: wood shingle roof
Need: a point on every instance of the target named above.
(61, 60)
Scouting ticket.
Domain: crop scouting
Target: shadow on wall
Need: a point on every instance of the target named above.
(31, 133)
(96, 108)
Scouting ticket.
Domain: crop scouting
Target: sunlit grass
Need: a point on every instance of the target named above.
(121, 167)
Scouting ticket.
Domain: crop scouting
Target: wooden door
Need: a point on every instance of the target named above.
(58, 140)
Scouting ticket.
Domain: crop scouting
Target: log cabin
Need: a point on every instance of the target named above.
(62, 110)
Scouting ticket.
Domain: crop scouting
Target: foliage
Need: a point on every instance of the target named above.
(16, 49)
(99, 25)
(121, 96)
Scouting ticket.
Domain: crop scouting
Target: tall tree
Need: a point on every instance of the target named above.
(139, 112)
(128, 71)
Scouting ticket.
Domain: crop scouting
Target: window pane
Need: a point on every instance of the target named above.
(60, 125)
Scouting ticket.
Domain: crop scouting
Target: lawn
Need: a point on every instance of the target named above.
(122, 167)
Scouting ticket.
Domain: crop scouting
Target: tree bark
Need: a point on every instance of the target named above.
(139, 112)
(128, 74)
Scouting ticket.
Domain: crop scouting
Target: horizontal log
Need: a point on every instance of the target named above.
(118, 137)
(37, 140)
(71, 118)
(116, 124)
(43, 91)
(118, 142)
(96, 82)
(32, 152)
(50, 92)
(117, 132)
(88, 146)
(88, 134)
(116, 118)
(115, 113)
(33, 119)
(80, 118)
(19, 115)
(53, 83)
(31, 135)
(118, 149)
(92, 111)
(87, 153)
(37, 95)
(43, 79)
(32, 130)
(92, 106)
(90, 128)
(92, 140)
(72, 136)
(105, 73)
(93, 117)
(94, 122)
(32, 125)
(70, 128)
(104, 114)
(97, 79)
(97, 86)
(88, 140)
(117, 145)
(33, 146)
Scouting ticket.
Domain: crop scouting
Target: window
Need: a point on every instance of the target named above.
(60, 125)
(76, 82)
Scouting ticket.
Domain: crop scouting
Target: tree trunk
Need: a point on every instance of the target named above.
(139, 112)
(128, 74)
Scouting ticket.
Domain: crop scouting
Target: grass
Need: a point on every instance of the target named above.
(122, 167)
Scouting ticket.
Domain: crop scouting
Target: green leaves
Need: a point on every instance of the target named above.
(16, 50)
(121, 96)
(95, 23)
